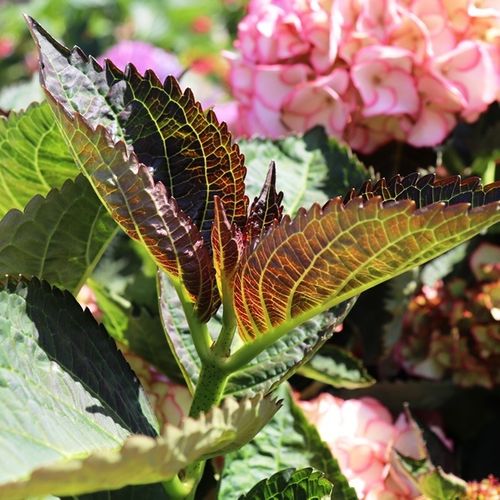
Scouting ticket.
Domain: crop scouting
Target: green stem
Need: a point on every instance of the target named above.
(222, 347)
(177, 489)
(209, 389)
(199, 330)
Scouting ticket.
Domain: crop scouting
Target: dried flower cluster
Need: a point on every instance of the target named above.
(452, 330)
(368, 71)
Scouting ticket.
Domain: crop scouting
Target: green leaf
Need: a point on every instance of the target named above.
(344, 168)
(328, 254)
(432, 481)
(137, 329)
(285, 356)
(177, 332)
(301, 174)
(64, 388)
(34, 157)
(290, 484)
(337, 367)
(143, 459)
(59, 238)
(287, 441)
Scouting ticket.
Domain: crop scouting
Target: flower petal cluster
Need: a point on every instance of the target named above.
(452, 330)
(363, 437)
(368, 71)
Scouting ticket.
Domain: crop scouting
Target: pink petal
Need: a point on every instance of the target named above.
(431, 128)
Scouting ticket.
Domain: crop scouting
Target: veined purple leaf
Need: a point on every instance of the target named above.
(182, 146)
(143, 208)
(328, 254)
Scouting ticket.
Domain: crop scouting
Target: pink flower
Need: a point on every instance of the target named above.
(87, 299)
(143, 56)
(363, 438)
(414, 67)
(383, 77)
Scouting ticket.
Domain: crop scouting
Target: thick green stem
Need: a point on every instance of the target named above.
(222, 347)
(178, 490)
(209, 389)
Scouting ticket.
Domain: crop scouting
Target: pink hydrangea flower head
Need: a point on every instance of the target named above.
(143, 56)
(363, 438)
(414, 67)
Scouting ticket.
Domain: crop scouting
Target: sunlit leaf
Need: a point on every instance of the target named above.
(142, 459)
(59, 238)
(327, 254)
(34, 157)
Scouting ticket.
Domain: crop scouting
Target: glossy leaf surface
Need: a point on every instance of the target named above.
(59, 238)
(34, 157)
(326, 255)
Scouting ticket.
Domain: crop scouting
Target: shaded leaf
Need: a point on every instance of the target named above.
(65, 390)
(326, 255)
(285, 356)
(266, 208)
(138, 492)
(301, 174)
(59, 238)
(143, 459)
(344, 169)
(137, 329)
(292, 484)
(287, 441)
(34, 157)
(337, 367)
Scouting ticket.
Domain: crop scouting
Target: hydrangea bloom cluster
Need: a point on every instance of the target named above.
(369, 71)
(452, 330)
(363, 438)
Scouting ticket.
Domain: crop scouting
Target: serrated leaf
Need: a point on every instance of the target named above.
(337, 367)
(328, 254)
(287, 441)
(177, 332)
(266, 208)
(143, 459)
(34, 157)
(290, 484)
(302, 175)
(64, 388)
(432, 481)
(145, 210)
(285, 356)
(184, 147)
(59, 238)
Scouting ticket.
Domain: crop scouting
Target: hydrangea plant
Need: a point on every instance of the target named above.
(247, 294)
